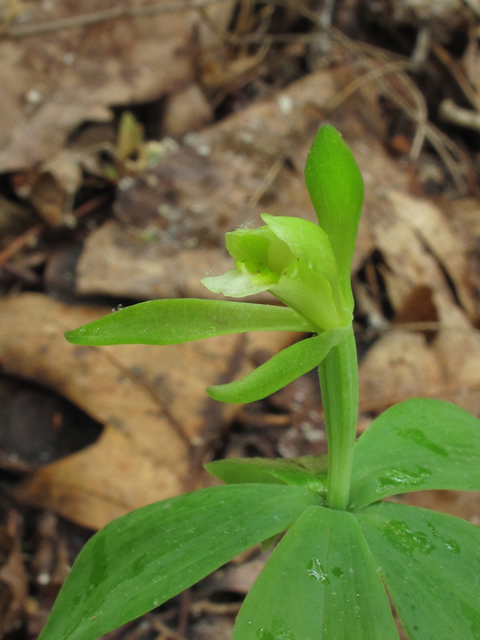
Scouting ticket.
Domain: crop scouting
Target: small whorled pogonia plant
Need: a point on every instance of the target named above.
(345, 547)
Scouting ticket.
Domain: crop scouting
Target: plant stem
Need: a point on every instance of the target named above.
(339, 386)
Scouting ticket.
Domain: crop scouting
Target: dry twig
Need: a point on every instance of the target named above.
(120, 11)
(444, 56)
(20, 242)
(165, 632)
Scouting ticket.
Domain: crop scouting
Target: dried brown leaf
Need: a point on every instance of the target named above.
(152, 401)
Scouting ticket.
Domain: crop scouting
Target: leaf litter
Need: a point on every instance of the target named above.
(222, 159)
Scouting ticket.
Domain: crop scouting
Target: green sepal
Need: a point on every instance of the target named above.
(308, 471)
(183, 320)
(416, 445)
(309, 293)
(430, 563)
(336, 190)
(140, 560)
(308, 242)
(320, 582)
(283, 368)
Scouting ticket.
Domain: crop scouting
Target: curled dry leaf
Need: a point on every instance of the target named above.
(158, 419)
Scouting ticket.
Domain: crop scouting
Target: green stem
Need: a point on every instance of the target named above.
(339, 385)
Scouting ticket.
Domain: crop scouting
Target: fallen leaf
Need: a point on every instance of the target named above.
(431, 225)
(186, 110)
(158, 419)
(425, 260)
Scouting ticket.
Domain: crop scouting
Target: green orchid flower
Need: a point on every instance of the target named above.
(304, 265)
(292, 259)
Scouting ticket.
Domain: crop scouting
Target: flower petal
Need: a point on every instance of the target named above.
(310, 243)
(307, 241)
(310, 294)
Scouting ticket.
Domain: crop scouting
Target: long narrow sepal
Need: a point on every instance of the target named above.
(183, 320)
(283, 368)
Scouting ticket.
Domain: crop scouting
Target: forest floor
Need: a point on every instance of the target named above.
(132, 137)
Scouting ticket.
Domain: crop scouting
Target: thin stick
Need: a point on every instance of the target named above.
(96, 17)
(267, 181)
(20, 242)
(428, 326)
(454, 68)
(162, 628)
(369, 76)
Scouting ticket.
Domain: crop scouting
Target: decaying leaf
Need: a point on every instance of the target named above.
(419, 248)
(151, 400)
(431, 226)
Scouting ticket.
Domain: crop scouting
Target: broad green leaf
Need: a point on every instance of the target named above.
(430, 563)
(144, 558)
(417, 444)
(319, 583)
(336, 190)
(184, 320)
(283, 368)
(294, 471)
